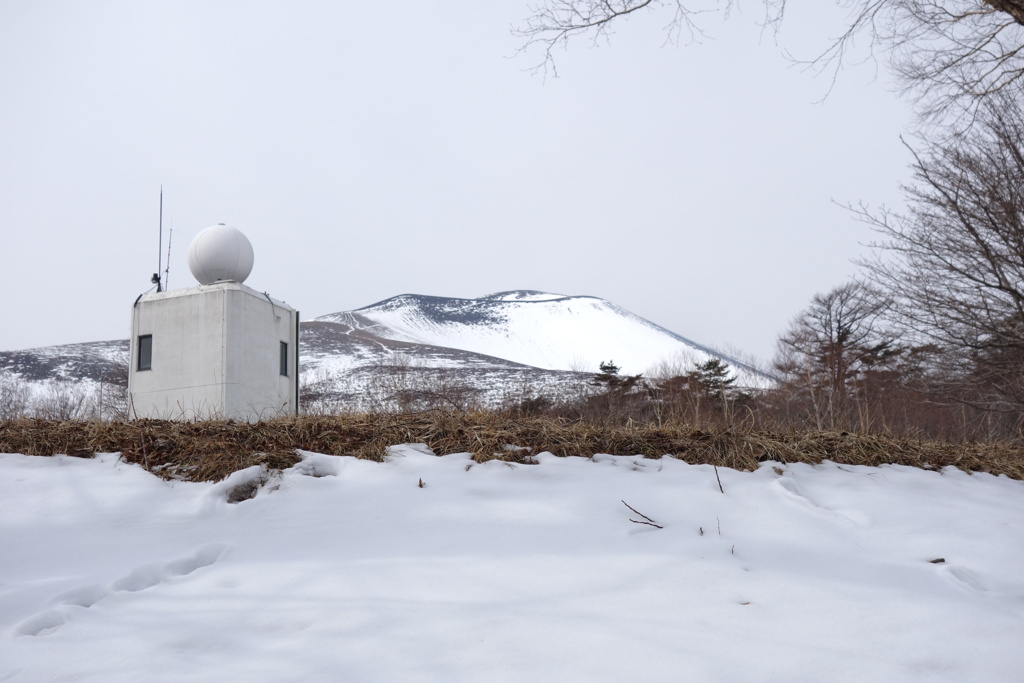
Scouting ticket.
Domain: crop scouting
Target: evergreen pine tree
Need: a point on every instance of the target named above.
(608, 377)
(713, 377)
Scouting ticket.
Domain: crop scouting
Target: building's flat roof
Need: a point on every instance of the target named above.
(217, 286)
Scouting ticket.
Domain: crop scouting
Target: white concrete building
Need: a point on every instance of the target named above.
(220, 350)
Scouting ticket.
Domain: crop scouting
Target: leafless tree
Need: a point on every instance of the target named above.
(439, 388)
(951, 54)
(833, 343)
(112, 399)
(15, 396)
(318, 393)
(955, 260)
(62, 399)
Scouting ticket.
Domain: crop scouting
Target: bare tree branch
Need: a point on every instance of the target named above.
(955, 260)
(649, 522)
(554, 22)
(949, 55)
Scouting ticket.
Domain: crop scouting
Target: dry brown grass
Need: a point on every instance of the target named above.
(207, 451)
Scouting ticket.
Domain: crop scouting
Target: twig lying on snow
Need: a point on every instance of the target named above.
(649, 522)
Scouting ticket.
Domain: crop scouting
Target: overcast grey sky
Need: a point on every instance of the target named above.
(373, 149)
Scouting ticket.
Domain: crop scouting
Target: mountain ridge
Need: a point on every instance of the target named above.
(489, 350)
(493, 324)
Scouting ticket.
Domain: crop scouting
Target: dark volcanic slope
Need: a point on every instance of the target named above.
(323, 340)
(96, 361)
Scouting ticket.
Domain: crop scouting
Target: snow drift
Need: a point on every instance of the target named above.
(343, 569)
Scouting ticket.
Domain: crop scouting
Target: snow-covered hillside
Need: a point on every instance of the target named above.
(541, 330)
(493, 350)
(350, 570)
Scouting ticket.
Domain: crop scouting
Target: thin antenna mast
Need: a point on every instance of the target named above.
(167, 270)
(160, 247)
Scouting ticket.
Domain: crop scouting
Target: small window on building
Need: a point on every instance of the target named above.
(146, 352)
(284, 358)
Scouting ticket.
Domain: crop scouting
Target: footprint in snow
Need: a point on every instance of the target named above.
(136, 580)
(963, 578)
(40, 624)
(84, 596)
(792, 492)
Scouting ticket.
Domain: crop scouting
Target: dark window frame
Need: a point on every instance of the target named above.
(284, 359)
(145, 353)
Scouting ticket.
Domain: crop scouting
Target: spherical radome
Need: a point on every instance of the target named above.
(220, 253)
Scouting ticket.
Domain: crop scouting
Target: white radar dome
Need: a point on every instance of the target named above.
(220, 253)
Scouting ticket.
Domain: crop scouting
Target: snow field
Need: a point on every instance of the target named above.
(341, 569)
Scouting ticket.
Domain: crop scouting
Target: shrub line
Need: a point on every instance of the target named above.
(209, 451)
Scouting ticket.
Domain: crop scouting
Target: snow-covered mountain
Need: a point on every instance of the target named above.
(490, 350)
(541, 330)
